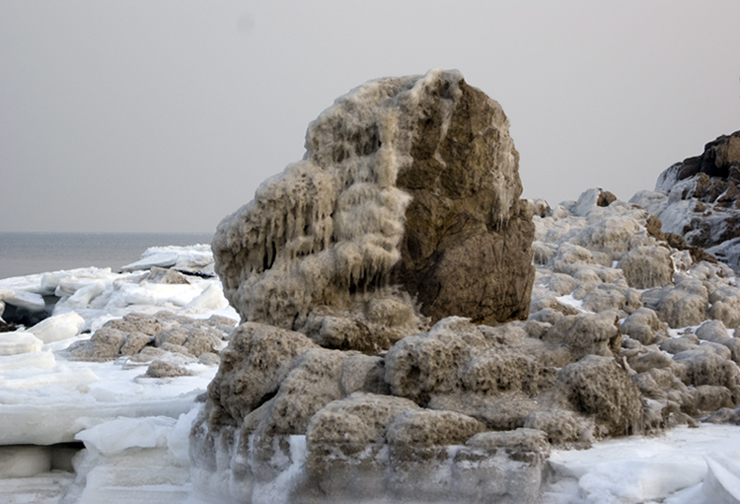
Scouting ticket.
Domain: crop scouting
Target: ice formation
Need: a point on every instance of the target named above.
(630, 330)
(407, 184)
(684, 375)
(54, 373)
(317, 396)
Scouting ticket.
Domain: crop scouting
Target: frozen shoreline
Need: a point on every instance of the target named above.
(135, 428)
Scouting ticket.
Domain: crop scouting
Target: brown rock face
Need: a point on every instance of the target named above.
(467, 249)
(407, 182)
(721, 158)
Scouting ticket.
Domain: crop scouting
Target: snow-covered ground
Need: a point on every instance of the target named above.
(134, 427)
(77, 431)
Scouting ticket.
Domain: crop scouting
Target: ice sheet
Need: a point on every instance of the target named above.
(58, 327)
(18, 342)
(44, 396)
(645, 469)
(51, 406)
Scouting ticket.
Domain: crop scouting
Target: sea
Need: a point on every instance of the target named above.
(29, 253)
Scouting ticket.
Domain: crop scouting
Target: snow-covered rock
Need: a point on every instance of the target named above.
(699, 199)
(193, 259)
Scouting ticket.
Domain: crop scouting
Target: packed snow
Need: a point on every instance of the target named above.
(78, 431)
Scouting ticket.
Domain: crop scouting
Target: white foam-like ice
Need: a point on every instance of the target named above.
(44, 395)
(26, 360)
(279, 489)
(192, 258)
(59, 327)
(639, 469)
(115, 436)
(19, 342)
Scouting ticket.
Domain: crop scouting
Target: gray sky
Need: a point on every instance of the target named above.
(144, 115)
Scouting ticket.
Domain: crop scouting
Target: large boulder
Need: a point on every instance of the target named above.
(409, 190)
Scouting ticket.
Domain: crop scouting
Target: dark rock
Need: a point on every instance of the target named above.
(655, 228)
(7, 327)
(467, 246)
(605, 199)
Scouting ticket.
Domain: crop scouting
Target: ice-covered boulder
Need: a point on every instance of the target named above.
(645, 326)
(144, 337)
(347, 445)
(699, 199)
(430, 363)
(418, 442)
(257, 360)
(336, 389)
(409, 190)
(647, 267)
(588, 334)
(684, 305)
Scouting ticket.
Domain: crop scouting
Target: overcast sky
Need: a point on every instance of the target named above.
(146, 115)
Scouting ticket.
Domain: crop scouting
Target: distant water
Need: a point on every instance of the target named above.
(28, 253)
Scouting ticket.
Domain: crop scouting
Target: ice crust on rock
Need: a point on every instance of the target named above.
(600, 356)
(407, 185)
(138, 334)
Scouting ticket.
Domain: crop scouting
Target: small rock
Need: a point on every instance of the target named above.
(163, 369)
(598, 386)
